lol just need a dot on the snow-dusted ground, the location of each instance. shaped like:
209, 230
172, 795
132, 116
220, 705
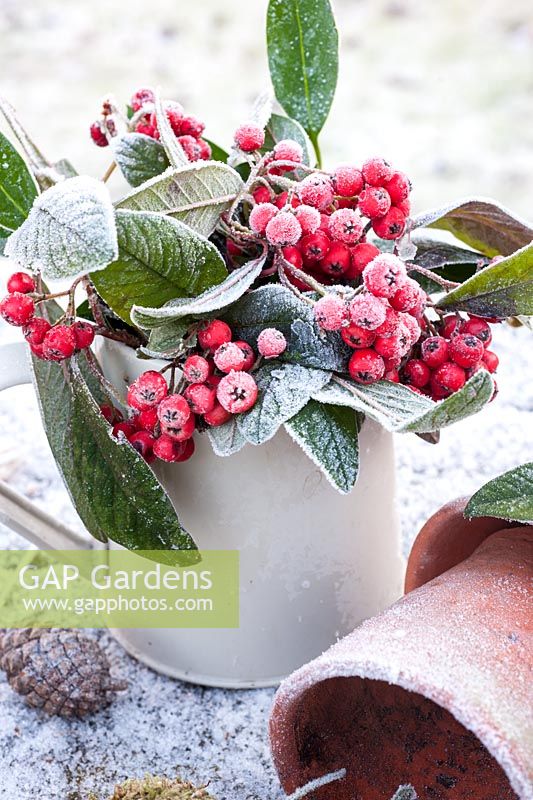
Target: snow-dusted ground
443, 89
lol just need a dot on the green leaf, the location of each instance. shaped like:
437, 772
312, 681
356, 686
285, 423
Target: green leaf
401, 410
217, 153
196, 194
139, 157
283, 390
226, 439
17, 190
503, 289
302, 43
279, 127
166, 341
69, 231
449, 261
328, 434
274, 306
113, 490
159, 259
510, 496
482, 224
220, 296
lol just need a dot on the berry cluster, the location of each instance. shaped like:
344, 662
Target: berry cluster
382, 322
217, 384
46, 341
187, 129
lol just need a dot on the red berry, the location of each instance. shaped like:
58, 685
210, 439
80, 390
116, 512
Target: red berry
374, 202
347, 180
416, 373
147, 420
404, 207
21, 282
229, 356
362, 254
337, 260
413, 328
434, 351
407, 297
168, 449
450, 325
309, 218
477, 327
490, 360
110, 413
398, 187
147, 129
261, 215
357, 337
249, 355
189, 126
367, 311
392, 321
218, 416
283, 229
180, 431
196, 369
147, 390
83, 333
173, 411
191, 147
314, 247
391, 226
249, 137
446, 379
392, 375
466, 350
213, 334
316, 190
262, 195
97, 135
59, 343
143, 442
346, 225
237, 392
377, 171
366, 366
294, 256
141, 98
124, 429
17, 309
201, 397
271, 343
288, 150
331, 312
35, 331
384, 275
388, 347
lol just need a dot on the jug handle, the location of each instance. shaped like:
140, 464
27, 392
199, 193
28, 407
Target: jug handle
16, 511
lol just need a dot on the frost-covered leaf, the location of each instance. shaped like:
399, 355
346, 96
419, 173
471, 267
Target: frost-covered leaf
279, 127
501, 290
449, 261
17, 190
482, 224
302, 43
400, 410
196, 194
329, 436
262, 109
283, 390
509, 496
226, 439
173, 149
70, 230
139, 157
166, 341
159, 259
274, 306
214, 299
405, 792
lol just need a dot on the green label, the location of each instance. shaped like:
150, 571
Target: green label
119, 589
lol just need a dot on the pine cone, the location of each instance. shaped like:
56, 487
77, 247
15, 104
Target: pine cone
153, 788
62, 672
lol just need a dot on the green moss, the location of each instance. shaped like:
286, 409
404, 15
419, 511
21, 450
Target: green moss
155, 788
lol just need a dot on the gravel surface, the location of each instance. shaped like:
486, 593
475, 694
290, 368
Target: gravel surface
445, 92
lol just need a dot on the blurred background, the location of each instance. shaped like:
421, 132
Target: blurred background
445, 91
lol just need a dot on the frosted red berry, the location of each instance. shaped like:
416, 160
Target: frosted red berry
490, 360
147, 390
21, 282
59, 343
391, 323
248, 353
213, 334
124, 429
205, 150
366, 366
412, 326
97, 135
362, 254
478, 327
35, 331
337, 260
391, 226
314, 247
262, 194
294, 256
407, 297
346, 225
173, 410
189, 126
377, 171
316, 190
191, 147
218, 416
249, 137
147, 419
374, 202
143, 442
384, 275
398, 187
83, 333
367, 311
237, 392
141, 98
17, 309
450, 325
196, 369
331, 312
465, 349
271, 343
180, 431
229, 356
110, 413
288, 150
357, 337
261, 215
434, 351
201, 397
168, 449
416, 373
283, 229
447, 379
308, 217
347, 180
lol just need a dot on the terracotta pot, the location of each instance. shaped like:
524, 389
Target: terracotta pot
436, 691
